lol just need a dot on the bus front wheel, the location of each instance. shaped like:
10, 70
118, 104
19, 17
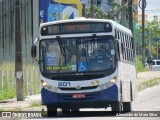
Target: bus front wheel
116, 107
127, 107
51, 111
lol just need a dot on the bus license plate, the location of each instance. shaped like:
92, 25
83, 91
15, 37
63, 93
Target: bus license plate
77, 96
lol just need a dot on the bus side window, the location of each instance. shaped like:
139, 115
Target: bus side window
127, 48
122, 46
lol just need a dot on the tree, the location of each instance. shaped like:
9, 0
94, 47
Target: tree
123, 13
98, 13
152, 31
115, 12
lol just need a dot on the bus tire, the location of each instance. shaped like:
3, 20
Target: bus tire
65, 110
127, 107
51, 111
116, 107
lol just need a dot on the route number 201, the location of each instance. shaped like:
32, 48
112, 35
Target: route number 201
64, 84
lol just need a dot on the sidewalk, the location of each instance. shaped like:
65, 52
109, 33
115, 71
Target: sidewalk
13, 104
145, 76
29, 104
147, 79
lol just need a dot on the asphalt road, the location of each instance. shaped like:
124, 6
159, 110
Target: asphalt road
145, 104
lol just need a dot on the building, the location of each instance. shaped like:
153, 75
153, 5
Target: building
33, 12
52, 10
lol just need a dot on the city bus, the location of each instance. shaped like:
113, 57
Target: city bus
85, 63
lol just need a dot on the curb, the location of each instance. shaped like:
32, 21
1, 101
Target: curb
147, 84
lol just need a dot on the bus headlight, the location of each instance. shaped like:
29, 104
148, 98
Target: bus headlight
113, 81
49, 87
44, 84
108, 84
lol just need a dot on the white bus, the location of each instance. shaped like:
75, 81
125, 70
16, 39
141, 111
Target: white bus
85, 63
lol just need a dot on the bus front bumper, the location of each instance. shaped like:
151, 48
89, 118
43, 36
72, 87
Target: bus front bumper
92, 99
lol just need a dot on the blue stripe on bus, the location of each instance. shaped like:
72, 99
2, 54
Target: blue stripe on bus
110, 94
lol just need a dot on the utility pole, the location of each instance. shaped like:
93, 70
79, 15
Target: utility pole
149, 41
143, 45
18, 55
130, 15
123, 15
83, 10
142, 5
157, 50
91, 10
157, 41
59, 11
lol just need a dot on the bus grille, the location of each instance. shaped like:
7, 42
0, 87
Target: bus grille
82, 88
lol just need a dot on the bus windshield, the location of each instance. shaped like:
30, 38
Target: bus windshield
80, 54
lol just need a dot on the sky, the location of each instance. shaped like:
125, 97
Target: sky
152, 9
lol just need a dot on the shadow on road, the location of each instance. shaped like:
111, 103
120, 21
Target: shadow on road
85, 114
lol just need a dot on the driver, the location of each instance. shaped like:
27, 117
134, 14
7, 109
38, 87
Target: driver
103, 50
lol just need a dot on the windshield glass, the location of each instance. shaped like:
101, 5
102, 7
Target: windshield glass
77, 54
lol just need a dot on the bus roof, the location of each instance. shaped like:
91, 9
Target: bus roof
79, 19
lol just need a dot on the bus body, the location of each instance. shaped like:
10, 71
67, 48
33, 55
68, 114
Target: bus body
79, 74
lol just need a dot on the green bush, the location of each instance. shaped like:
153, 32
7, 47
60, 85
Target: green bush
7, 93
139, 65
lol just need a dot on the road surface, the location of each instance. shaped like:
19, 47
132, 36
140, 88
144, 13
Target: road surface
147, 100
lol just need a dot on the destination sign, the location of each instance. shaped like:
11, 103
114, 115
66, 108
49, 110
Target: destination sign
76, 27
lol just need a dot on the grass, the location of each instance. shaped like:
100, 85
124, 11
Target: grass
18, 109
7, 92
147, 84
1, 109
139, 66
7, 95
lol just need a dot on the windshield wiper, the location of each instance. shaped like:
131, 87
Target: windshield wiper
63, 51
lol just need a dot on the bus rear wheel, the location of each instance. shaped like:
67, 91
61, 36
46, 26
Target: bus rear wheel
51, 111
127, 107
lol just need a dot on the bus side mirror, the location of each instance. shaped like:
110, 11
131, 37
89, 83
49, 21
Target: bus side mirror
117, 49
33, 51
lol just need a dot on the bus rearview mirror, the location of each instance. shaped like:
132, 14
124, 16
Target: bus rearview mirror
33, 51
